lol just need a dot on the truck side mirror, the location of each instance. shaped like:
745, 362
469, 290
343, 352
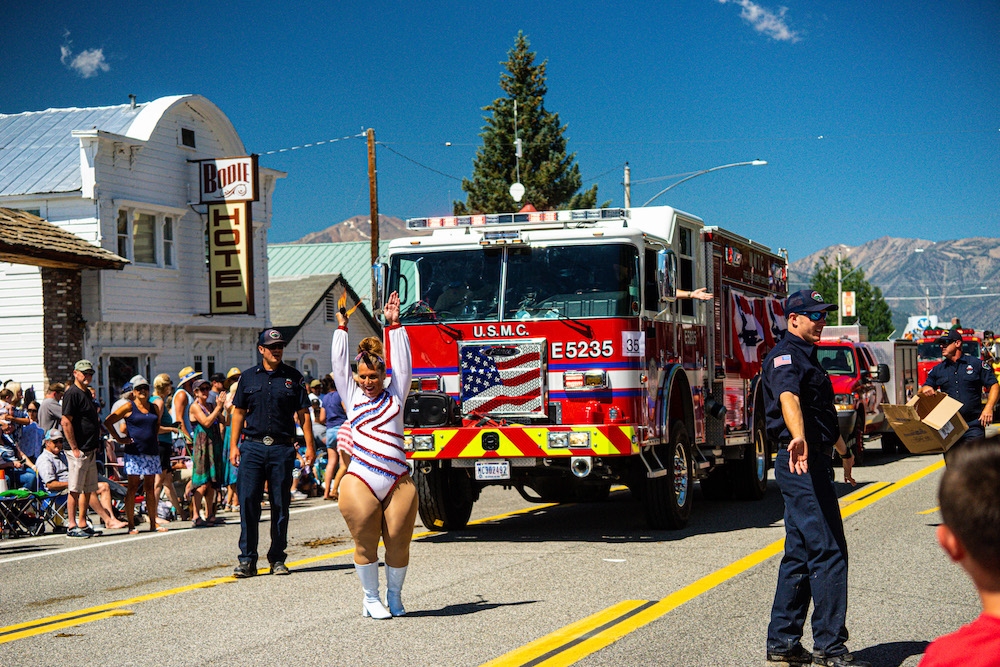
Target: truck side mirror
666, 275
378, 273
883, 373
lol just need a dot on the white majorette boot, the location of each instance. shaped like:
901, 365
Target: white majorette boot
394, 587
371, 605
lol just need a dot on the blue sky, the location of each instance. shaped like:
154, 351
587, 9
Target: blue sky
875, 118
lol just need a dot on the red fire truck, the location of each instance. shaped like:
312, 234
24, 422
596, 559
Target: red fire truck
552, 355
929, 352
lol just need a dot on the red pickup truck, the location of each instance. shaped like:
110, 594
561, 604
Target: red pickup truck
857, 379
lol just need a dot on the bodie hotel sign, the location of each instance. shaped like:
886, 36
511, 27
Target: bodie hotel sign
228, 186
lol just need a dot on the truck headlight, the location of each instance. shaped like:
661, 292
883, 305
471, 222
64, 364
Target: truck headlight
423, 443
559, 440
579, 440
843, 402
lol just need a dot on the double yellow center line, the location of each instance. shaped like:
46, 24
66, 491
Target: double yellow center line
574, 642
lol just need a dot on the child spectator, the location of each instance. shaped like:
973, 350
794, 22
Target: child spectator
969, 497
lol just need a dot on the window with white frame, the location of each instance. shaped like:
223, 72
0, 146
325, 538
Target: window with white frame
147, 237
168, 241
144, 238
123, 234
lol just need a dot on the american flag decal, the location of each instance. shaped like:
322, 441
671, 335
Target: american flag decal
502, 377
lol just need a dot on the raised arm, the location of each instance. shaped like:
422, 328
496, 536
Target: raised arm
341, 362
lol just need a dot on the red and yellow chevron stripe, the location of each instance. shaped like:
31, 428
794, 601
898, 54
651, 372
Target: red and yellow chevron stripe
524, 441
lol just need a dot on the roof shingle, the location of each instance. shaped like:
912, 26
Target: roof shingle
28, 239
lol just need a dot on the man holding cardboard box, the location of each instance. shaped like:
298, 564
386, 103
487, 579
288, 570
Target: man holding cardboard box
800, 417
963, 377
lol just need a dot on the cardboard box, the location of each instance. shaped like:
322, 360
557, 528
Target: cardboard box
927, 424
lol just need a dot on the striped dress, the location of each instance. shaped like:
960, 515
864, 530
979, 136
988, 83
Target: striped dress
376, 424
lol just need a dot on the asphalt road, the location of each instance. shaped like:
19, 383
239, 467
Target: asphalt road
526, 584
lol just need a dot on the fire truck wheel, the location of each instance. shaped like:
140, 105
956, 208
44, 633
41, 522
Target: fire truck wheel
751, 472
668, 498
445, 498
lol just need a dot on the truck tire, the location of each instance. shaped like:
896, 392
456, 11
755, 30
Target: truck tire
668, 498
751, 472
445, 498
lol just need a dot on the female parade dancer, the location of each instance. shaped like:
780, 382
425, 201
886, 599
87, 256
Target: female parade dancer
377, 496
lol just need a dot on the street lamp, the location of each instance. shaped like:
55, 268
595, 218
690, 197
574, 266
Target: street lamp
751, 163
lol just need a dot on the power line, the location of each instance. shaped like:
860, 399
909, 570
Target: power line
312, 145
393, 150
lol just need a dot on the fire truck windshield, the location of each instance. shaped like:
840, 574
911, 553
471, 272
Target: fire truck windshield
929, 352
571, 281
448, 285
541, 282
932, 351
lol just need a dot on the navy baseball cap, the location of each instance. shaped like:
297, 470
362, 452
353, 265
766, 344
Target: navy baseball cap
951, 337
807, 301
270, 337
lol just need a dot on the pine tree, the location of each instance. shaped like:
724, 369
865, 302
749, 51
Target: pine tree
550, 176
872, 310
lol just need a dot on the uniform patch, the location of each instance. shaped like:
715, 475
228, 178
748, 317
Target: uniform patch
288, 384
969, 370
783, 360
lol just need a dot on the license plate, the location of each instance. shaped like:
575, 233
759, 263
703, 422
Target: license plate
491, 470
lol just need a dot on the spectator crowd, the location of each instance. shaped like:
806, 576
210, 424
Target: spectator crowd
160, 454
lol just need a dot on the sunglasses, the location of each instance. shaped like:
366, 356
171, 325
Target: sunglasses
277, 346
32, 410
141, 387
814, 317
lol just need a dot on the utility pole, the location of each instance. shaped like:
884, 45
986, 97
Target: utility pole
373, 199
628, 186
840, 292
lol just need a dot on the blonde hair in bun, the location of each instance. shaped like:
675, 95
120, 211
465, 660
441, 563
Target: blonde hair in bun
371, 353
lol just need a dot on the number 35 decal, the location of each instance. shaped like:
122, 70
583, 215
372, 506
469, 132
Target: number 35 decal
582, 349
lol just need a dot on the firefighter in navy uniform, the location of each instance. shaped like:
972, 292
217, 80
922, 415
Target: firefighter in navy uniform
963, 377
262, 444
801, 417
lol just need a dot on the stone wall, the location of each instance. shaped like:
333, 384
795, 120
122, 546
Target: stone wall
62, 323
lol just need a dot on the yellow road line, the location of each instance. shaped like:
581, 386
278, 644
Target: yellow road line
80, 616
930, 511
606, 627
52, 627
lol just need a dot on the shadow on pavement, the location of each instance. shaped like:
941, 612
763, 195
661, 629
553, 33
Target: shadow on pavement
891, 654
621, 519
328, 567
466, 608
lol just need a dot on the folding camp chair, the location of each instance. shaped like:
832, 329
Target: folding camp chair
52, 509
19, 514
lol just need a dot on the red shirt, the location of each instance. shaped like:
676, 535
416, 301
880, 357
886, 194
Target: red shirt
973, 645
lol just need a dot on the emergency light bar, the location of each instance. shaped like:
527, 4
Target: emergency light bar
533, 217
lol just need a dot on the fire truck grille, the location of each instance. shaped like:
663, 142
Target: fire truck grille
503, 377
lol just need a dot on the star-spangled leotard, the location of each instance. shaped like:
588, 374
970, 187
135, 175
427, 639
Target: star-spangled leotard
376, 423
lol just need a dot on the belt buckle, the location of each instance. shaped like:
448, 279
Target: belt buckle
267, 440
